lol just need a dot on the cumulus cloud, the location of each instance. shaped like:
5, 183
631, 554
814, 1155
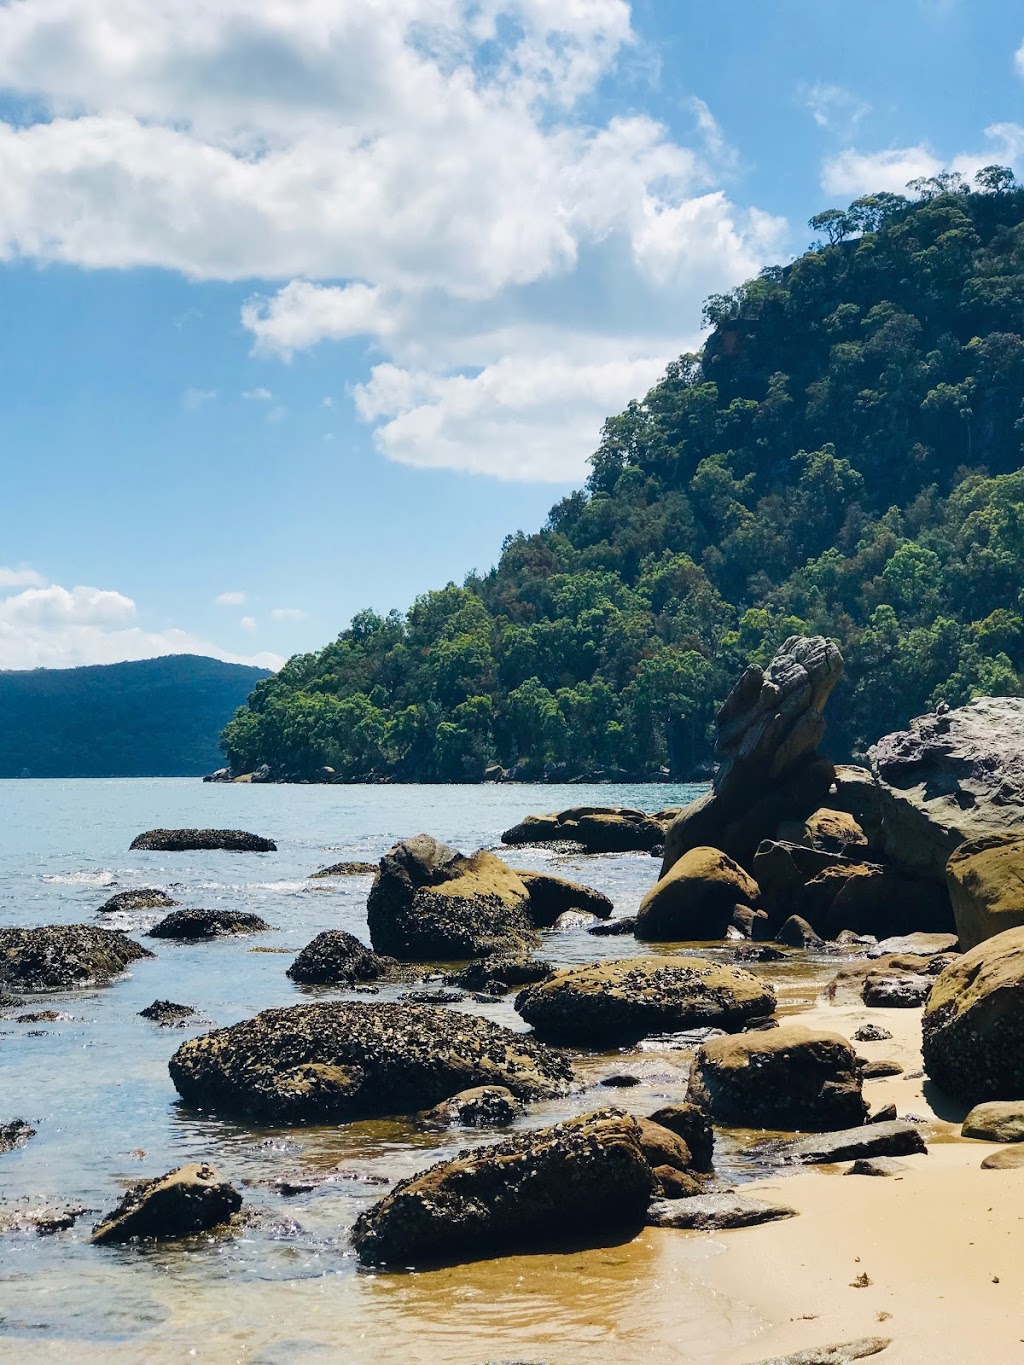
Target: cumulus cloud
288, 614
50, 626
853, 172
20, 578
229, 599
303, 313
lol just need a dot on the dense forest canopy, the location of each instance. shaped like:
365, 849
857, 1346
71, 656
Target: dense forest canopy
842, 457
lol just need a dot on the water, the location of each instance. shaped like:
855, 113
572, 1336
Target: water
287, 1288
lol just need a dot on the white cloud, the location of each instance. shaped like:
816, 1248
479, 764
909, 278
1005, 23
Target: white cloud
20, 578
248, 623
229, 599
258, 395
194, 399
288, 614
1018, 59
302, 313
852, 173
51, 626
834, 108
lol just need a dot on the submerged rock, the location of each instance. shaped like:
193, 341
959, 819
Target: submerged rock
15, 1133
615, 1003
189, 925
696, 898
184, 1201
791, 1077
503, 972
187, 840
346, 1060
345, 870
582, 1178
430, 903
335, 957
551, 897
58, 957
486, 1106
42, 1219
166, 1012
625, 924
986, 885
146, 898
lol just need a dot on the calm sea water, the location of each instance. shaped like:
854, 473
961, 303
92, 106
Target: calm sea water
97, 1089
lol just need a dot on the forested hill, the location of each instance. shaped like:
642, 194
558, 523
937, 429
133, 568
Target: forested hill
842, 457
154, 718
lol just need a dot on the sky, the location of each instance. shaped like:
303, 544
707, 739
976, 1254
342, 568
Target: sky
308, 304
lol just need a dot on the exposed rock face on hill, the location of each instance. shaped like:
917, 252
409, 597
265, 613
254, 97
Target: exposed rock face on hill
951, 777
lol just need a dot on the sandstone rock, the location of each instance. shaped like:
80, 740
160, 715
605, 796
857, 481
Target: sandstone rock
1010, 1159
951, 778
898, 1137
145, 898
187, 840
15, 1133
503, 972
840, 1353
615, 1003
750, 923
973, 1023
166, 1012
625, 924
885, 903
536, 829
696, 898
189, 1200
551, 897
584, 1177
997, 1121
883, 1166
429, 903
986, 886
783, 868
690, 1123
888, 990
662, 1147
485, 1106
879, 1069
675, 1184
797, 933
622, 832
345, 870
58, 957
847, 986
790, 1077
334, 1062
833, 831
335, 957
872, 1033
716, 1212
189, 925
922, 945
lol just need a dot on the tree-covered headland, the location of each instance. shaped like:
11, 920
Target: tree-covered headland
842, 457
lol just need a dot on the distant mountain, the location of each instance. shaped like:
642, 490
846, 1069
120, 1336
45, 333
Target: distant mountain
150, 718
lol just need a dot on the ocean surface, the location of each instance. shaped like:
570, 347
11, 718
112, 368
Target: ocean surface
286, 1287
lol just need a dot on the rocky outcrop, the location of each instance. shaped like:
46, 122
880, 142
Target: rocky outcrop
595, 829
187, 840
997, 1121
345, 870
63, 957
551, 897
485, 1106
336, 958
585, 1177
986, 886
190, 925
15, 1133
334, 1062
788, 1078
973, 1024
430, 903
696, 898
951, 777
167, 1013
145, 898
612, 1004
188, 1200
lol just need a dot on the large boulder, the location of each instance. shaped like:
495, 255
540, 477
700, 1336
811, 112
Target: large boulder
787, 1078
552, 896
997, 1121
973, 1024
695, 899
187, 840
190, 925
951, 777
612, 1004
188, 1200
587, 1176
336, 958
63, 957
986, 885
334, 1062
431, 903
769, 728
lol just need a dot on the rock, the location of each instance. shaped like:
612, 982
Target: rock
662, 1147
626, 924
585, 1176
847, 986
620, 1080
573, 919
696, 898
985, 878
783, 868
335, 957
690, 1123
536, 829
345, 870
42, 1219
898, 1137
877, 1165
872, 1033
186, 926
433, 995
15, 1133
615, 1003
887, 1114
1010, 1159
676, 1184
997, 1121
166, 1012
621, 832
951, 778
146, 898
791, 1077
716, 1213
797, 933
833, 831
58, 957
187, 840
750, 923
922, 945
882, 902
430, 903
44, 1017
485, 1106
188, 1200
503, 972
841, 1353
338, 1061
758, 952
887, 990
551, 897
877, 1070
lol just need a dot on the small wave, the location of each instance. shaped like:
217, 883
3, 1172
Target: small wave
100, 877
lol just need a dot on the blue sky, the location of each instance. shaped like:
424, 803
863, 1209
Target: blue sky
307, 306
